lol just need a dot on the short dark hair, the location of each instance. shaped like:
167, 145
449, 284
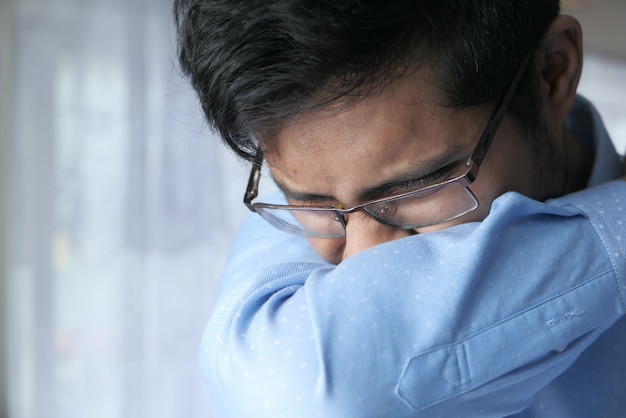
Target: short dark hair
256, 63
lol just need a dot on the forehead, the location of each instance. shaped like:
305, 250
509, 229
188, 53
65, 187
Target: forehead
341, 151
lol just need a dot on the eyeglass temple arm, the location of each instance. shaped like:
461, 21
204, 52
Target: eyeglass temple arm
252, 190
494, 122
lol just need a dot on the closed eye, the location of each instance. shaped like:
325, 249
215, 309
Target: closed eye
396, 188
310, 200
313, 203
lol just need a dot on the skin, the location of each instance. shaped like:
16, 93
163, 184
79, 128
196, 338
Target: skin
346, 156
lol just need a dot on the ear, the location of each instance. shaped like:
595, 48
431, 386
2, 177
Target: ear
561, 59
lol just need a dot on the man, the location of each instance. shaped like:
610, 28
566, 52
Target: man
433, 252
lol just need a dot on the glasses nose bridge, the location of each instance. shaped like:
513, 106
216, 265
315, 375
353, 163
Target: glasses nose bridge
343, 213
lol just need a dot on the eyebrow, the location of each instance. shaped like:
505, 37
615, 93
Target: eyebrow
437, 166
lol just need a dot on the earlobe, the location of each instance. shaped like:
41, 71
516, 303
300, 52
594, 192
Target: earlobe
561, 55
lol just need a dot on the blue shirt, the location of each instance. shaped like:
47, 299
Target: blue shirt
517, 314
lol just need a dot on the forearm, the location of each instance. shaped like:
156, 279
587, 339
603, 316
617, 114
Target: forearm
399, 327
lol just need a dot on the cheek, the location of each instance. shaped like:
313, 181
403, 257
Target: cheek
330, 249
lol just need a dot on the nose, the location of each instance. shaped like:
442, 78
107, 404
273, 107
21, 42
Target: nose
363, 232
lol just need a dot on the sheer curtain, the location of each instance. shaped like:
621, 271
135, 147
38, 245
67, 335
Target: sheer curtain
5, 133
121, 210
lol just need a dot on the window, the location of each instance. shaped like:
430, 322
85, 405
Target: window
115, 238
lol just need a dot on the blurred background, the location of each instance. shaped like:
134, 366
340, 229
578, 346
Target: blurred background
117, 205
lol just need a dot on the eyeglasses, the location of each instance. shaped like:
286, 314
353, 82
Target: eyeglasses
426, 206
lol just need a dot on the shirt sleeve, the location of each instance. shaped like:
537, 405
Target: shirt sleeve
470, 321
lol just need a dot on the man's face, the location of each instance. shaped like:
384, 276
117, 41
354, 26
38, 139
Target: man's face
343, 157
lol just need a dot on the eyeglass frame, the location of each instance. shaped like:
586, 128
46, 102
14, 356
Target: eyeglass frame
464, 180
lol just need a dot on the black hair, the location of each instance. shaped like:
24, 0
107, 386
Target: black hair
256, 63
